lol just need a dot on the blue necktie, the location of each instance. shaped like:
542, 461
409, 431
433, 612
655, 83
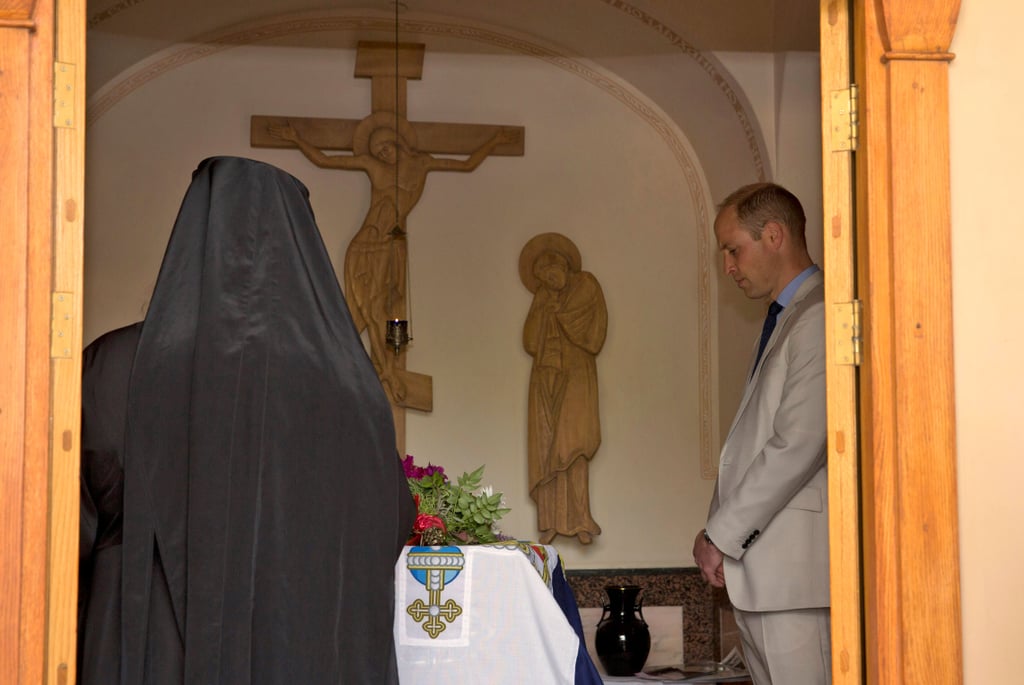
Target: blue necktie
766, 331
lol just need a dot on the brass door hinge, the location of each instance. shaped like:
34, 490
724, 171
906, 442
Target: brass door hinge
62, 313
846, 321
844, 119
63, 95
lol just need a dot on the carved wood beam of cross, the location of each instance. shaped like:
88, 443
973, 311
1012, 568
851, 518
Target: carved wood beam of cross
389, 67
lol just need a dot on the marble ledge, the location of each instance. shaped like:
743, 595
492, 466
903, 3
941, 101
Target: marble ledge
708, 630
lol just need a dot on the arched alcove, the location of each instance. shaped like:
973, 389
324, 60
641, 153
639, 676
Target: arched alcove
604, 164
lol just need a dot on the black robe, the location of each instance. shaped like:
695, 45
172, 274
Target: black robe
243, 505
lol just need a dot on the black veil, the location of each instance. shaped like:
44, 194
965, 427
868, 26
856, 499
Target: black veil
264, 504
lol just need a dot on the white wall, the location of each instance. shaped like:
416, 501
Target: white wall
604, 179
987, 143
620, 180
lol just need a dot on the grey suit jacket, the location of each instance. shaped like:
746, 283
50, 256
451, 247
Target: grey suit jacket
769, 514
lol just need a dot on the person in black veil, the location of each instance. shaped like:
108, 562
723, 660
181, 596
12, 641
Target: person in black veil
246, 433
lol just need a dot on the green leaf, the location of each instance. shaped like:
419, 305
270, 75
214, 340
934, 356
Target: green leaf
471, 481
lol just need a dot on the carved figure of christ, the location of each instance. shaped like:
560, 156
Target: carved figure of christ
396, 156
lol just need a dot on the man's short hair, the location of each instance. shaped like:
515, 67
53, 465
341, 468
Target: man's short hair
758, 203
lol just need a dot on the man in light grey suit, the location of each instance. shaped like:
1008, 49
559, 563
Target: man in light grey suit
766, 538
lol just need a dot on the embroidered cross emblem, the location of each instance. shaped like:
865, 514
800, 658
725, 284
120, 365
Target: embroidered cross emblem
434, 567
434, 626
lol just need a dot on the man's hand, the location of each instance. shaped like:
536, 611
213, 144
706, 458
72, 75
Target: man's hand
709, 560
283, 132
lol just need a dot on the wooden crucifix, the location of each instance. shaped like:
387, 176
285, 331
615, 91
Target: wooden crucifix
396, 155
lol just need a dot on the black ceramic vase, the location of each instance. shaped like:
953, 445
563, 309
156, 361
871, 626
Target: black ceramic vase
623, 639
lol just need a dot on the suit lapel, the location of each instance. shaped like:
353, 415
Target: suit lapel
806, 287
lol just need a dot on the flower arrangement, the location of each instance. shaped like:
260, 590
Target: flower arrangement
460, 513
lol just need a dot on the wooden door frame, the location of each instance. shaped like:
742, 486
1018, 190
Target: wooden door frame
907, 565
42, 83
26, 198
67, 305
910, 527
839, 262
894, 526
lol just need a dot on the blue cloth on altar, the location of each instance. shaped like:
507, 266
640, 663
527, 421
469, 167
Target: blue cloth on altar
586, 672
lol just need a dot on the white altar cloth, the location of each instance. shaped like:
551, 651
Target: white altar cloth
481, 614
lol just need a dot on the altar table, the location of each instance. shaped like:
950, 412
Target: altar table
497, 614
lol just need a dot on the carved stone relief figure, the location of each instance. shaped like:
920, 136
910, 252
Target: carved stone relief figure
564, 331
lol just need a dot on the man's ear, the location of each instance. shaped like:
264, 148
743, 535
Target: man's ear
774, 233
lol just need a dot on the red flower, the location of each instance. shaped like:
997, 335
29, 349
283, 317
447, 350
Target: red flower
425, 522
